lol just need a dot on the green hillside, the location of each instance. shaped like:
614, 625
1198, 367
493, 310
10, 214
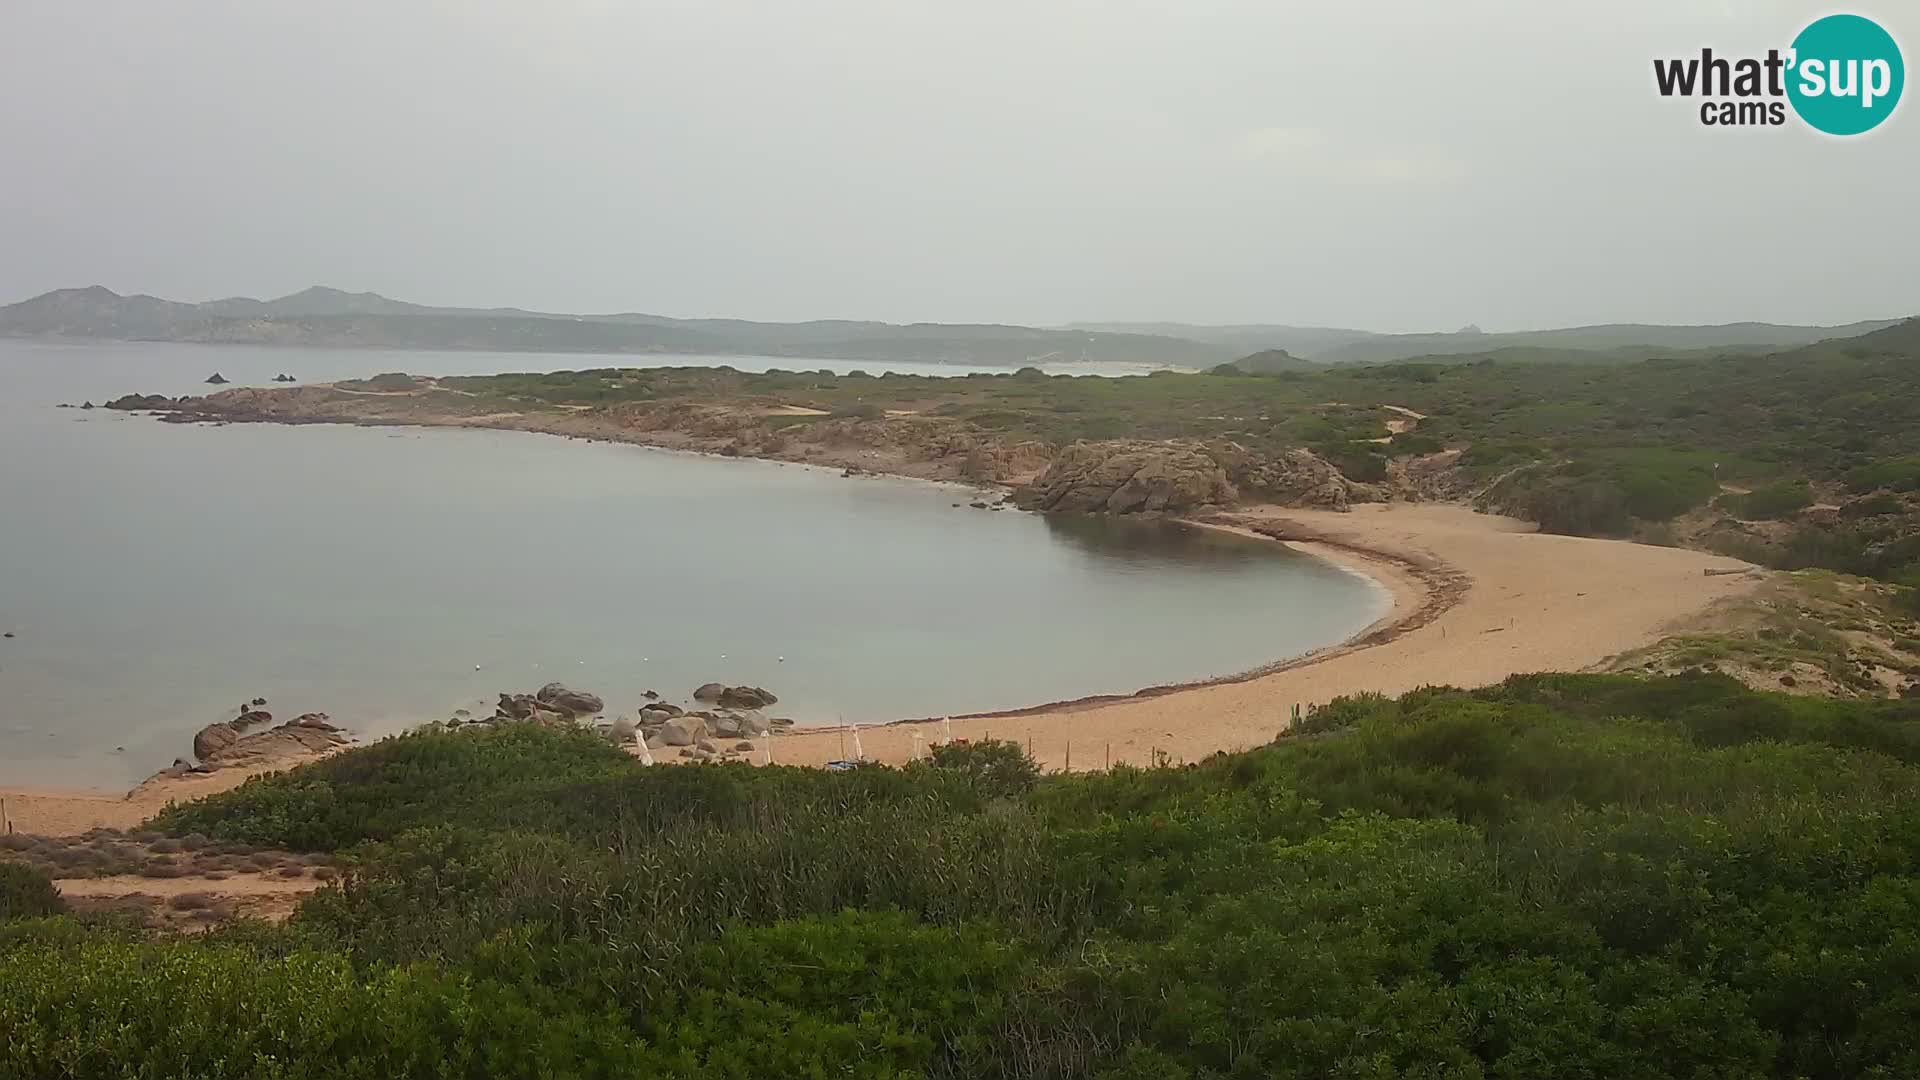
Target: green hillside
1567, 876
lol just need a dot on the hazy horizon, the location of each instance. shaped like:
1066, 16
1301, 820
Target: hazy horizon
1210, 163
1145, 323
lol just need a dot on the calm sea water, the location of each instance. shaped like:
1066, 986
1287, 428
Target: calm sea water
155, 575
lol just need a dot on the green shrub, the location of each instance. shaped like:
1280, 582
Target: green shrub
106, 1008
994, 767
1658, 490
1893, 474
1414, 443
1579, 875
1770, 502
508, 775
26, 893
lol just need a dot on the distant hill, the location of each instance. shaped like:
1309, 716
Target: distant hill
331, 317
1270, 361
318, 300
1306, 341
1624, 341
1600, 339
93, 312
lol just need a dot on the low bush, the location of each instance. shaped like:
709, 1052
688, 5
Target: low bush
109, 1008
1564, 875
26, 893
1770, 502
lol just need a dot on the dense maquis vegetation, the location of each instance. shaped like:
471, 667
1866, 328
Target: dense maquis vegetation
1582, 448
1566, 876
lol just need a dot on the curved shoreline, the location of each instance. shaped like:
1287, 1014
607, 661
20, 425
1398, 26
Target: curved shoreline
1417, 552
1417, 594
1499, 599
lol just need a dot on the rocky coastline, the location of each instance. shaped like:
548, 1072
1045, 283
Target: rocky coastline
1109, 476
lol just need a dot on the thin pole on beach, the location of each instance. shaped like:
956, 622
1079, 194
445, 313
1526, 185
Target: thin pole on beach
1107, 763
1069, 755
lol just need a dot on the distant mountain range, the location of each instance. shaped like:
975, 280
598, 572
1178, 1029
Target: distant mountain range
330, 317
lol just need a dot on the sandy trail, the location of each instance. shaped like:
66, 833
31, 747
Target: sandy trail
254, 896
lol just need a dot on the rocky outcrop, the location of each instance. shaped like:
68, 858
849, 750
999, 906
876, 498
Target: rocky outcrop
225, 744
217, 379
529, 708
214, 738
680, 731
141, 401
728, 724
1297, 477
1127, 476
709, 692
572, 702
746, 697
1130, 477
516, 706
659, 712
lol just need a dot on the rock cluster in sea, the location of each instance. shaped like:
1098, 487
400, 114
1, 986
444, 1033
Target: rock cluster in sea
554, 703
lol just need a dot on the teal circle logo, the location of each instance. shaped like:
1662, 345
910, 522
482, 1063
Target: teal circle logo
1846, 75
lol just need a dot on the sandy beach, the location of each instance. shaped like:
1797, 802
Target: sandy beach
1476, 598
56, 812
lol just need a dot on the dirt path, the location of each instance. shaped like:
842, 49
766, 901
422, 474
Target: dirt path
193, 902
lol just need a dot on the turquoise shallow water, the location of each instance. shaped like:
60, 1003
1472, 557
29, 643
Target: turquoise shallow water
155, 575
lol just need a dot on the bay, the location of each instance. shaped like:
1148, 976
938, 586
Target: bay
156, 575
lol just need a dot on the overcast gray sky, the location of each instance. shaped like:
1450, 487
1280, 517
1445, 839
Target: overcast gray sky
1385, 164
